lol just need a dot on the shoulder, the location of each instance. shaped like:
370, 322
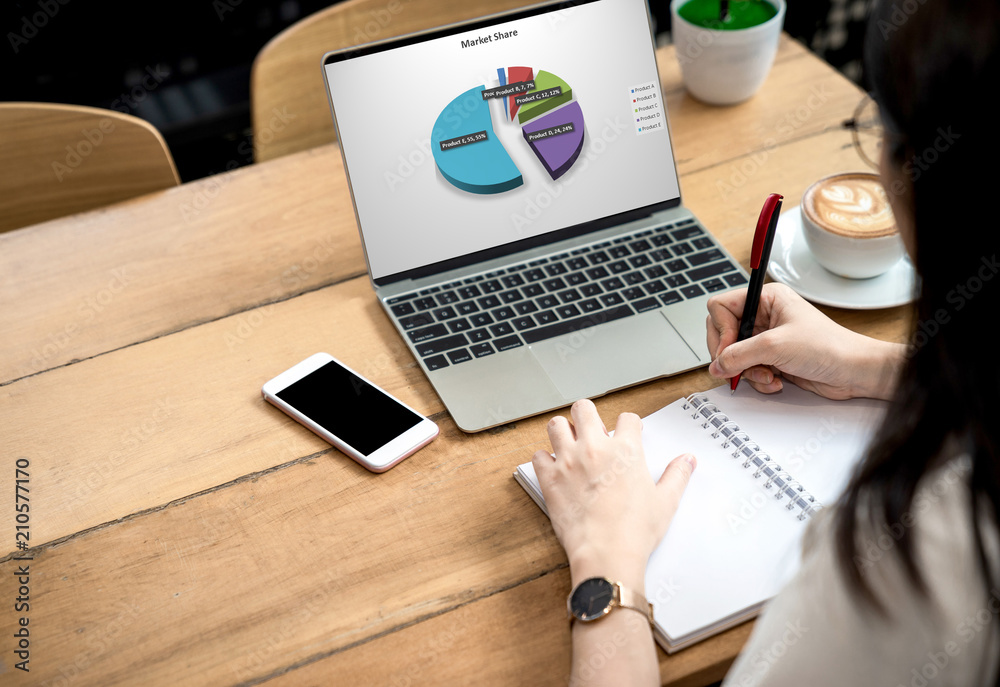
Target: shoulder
818, 630
939, 520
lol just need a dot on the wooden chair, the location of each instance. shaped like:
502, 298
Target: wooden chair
56, 160
288, 101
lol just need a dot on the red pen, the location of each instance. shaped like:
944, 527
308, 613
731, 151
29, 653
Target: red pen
762, 239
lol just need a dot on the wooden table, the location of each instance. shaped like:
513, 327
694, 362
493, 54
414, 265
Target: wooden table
182, 532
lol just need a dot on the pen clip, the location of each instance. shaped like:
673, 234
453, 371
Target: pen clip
766, 224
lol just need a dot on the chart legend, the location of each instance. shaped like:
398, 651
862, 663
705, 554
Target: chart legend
647, 112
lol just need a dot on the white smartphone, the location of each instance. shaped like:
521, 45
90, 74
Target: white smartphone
350, 412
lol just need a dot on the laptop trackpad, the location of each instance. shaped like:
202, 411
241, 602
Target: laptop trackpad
600, 359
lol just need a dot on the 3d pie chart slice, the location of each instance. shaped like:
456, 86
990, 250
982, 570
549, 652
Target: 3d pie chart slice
561, 147
468, 152
516, 74
544, 81
469, 160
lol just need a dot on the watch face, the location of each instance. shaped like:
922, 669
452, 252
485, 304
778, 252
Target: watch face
592, 598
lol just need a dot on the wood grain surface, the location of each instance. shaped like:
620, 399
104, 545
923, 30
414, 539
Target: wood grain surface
183, 532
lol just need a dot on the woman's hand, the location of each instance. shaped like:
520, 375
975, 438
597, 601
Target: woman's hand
805, 346
607, 511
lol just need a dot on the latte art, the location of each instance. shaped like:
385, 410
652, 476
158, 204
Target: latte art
852, 205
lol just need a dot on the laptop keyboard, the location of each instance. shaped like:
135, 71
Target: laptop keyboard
526, 303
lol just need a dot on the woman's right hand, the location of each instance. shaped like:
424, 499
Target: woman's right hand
793, 338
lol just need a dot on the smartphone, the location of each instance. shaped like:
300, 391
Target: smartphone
350, 412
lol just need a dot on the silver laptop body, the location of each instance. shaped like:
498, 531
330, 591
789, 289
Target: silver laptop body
516, 193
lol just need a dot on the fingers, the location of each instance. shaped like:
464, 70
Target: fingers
542, 456
586, 425
730, 301
542, 461
629, 429
724, 311
675, 478
712, 336
763, 380
743, 355
773, 387
760, 375
561, 434
587, 422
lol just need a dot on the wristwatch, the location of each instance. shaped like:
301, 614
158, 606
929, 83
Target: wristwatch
595, 597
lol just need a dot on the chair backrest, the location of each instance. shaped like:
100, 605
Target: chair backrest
56, 160
288, 101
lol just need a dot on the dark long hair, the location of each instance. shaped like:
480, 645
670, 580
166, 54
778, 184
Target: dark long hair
932, 65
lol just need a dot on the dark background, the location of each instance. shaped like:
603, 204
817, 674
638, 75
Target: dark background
198, 54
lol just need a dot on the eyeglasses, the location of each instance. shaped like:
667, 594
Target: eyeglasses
866, 131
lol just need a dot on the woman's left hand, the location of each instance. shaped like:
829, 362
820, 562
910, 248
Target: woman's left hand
607, 511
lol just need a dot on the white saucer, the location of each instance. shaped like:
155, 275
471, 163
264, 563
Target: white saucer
792, 264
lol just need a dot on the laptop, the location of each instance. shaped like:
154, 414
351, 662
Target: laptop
517, 196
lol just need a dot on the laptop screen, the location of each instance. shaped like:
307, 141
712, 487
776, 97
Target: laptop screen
485, 138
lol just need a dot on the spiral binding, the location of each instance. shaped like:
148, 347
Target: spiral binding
754, 457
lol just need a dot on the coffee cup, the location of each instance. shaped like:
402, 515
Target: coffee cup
724, 63
849, 227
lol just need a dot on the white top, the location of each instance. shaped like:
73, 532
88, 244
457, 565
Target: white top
817, 632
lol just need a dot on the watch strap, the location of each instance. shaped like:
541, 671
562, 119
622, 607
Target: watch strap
633, 600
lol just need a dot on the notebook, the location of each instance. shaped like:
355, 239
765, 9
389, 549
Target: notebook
519, 206
766, 465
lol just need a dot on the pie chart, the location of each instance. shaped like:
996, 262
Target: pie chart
468, 152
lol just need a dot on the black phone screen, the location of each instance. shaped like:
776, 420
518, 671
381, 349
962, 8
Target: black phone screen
349, 408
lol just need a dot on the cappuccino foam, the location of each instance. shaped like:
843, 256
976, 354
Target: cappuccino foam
853, 205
